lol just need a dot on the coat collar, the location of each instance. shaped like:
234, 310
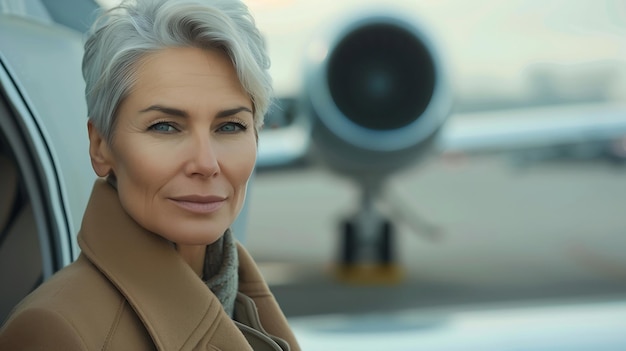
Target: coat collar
174, 304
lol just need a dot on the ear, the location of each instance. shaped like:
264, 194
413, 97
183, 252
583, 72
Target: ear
99, 151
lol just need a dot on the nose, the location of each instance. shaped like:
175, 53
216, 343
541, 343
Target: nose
202, 158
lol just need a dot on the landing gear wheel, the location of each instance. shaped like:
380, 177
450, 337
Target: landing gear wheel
385, 249
348, 244
377, 269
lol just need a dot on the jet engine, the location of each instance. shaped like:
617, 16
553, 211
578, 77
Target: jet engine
376, 94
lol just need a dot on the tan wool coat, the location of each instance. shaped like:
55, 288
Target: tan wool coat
130, 290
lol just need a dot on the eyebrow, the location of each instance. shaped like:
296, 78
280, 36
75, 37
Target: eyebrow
180, 113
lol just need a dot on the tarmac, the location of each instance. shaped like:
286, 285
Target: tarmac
470, 230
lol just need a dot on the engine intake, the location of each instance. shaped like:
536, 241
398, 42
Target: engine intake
377, 94
381, 77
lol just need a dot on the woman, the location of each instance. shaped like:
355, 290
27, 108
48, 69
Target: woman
176, 92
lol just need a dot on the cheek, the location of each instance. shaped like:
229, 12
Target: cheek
144, 162
238, 162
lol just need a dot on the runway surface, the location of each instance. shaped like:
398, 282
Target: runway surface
549, 232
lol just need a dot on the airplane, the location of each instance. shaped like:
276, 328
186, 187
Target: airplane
376, 97
46, 176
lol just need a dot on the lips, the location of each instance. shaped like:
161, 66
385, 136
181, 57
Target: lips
200, 204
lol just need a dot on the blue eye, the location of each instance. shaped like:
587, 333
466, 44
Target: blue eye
163, 127
231, 127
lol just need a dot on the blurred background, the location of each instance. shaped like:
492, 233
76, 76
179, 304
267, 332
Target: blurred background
515, 228
513, 225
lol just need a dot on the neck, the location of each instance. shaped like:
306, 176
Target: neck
194, 256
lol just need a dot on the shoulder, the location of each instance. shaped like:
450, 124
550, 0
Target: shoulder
76, 306
40, 329
72, 290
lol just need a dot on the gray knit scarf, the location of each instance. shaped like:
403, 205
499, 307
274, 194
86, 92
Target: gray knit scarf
220, 270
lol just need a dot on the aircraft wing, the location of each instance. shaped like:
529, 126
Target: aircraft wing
522, 129
532, 128
283, 146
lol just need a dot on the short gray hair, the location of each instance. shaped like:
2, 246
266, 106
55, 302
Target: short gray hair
121, 36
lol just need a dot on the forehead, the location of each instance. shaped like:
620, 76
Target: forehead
179, 67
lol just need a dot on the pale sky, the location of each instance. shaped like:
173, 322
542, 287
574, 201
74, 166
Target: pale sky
490, 46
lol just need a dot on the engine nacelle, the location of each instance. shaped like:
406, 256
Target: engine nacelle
377, 93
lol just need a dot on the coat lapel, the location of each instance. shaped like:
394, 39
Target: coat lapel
252, 284
176, 307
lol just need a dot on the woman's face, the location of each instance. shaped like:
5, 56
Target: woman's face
183, 147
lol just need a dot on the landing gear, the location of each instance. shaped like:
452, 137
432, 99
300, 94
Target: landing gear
367, 248
354, 249
348, 245
386, 244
